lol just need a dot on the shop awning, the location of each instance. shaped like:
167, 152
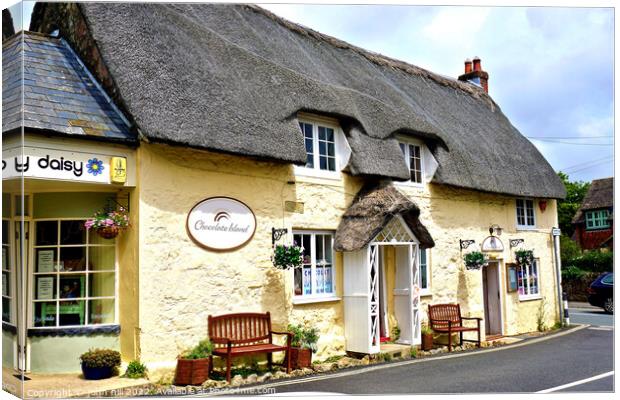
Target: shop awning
372, 209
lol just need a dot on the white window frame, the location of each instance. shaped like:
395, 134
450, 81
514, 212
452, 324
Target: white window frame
315, 297
316, 171
413, 142
32, 281
526, 226
530, 296
594, 217
12, 270
427, 290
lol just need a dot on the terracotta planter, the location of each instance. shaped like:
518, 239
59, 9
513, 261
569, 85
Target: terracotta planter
108, 232
301, 358
191, 372
427, 341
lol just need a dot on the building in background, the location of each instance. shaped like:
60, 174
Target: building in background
594, 220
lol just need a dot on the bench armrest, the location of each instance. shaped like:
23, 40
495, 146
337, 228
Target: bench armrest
289, 336
472, 318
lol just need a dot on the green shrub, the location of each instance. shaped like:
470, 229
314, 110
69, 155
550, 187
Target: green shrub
569, 249
203, 349
332, 359
395, 333
304, 338
594, 261
413, 352
135, 370
571, 273
95, 358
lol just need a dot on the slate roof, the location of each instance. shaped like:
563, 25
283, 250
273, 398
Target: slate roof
59, 94
600, 195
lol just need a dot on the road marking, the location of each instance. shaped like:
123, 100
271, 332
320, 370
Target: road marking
601, 328
577, 383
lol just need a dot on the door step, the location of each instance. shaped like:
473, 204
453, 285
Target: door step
395, 350
489, 338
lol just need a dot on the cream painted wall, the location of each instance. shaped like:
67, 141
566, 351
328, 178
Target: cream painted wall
180, 284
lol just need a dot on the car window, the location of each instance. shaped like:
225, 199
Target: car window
608, 279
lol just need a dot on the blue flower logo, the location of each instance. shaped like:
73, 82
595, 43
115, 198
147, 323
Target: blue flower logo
95, 166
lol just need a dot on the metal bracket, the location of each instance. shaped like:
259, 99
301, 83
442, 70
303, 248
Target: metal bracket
516, 242
466, 243
112, 203
276, 234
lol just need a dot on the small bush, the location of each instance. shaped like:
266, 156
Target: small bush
569, 249
572, 273
203, 349
332, 359
594, 261
135, 370
540, 317
413, 352
395, 333
96, 358
304, 338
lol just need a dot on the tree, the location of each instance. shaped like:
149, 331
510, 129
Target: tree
575, 193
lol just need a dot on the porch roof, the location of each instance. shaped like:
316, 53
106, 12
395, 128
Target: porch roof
372, 209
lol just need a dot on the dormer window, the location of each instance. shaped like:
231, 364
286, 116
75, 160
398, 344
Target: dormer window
413, 158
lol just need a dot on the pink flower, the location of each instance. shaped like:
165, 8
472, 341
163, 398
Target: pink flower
89, 224
108, 222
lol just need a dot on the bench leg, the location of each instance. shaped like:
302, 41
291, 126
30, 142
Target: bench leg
461, 336
449, 340
210, 367
228, 365
288, 361
269, 360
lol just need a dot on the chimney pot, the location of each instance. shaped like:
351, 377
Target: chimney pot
477, 66
467, 66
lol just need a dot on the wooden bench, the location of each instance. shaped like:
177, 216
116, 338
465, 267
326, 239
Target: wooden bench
446, 318
237, 335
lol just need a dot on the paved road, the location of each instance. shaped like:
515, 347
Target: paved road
535, 367
591, 316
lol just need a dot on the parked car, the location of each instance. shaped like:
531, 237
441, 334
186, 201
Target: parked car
601, 292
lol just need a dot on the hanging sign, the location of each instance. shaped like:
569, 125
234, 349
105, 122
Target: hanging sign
37, 162
221, 223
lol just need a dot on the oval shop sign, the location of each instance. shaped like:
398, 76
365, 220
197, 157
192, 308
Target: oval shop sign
221, 223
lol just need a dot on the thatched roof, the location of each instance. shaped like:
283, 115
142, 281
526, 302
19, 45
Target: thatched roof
600, 195
232, 78
8, 29
373, 208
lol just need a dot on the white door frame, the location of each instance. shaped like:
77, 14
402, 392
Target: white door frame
500, 307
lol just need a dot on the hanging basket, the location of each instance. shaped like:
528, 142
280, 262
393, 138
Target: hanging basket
475, 260
108, 232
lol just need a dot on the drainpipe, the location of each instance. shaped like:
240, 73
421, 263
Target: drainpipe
558, 265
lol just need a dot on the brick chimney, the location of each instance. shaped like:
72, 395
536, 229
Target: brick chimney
475, 75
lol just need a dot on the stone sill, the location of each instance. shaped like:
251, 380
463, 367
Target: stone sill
537, 297
315, 300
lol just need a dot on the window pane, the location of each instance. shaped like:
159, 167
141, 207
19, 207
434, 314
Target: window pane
101, 258
72, 232
45, 287
331, 164
72, 312
46, 260
319, 255
328, 248
101, 311
329, 285
47, 233
310, 160
18, 205
322, 135
323, 163
307, 280
320, 280
5, 232
101, 284
6, 284
423, 270
402, 148
72, 259
297, 282
45, 313
331, 150
6, 309
322, 148
307, 248
534, 278
72, 286
6, 258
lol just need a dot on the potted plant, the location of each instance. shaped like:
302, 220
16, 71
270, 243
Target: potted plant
285, 256
108, 224
193, 364
427, 337
100, 363
303, 344
475, 260
524, 257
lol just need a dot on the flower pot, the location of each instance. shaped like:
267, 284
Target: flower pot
301, 358
108, 232
94, 373
427, 341
191, 372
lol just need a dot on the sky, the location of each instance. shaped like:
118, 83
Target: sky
550, 68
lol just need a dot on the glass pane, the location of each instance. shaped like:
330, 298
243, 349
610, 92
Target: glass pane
72, 259
323, 163
307, 248
297, 282
328, 248
72, 312
45, 287
310, 161
5, 232
322, 150
72, 232
320, 280
6, 284
331, 150
309, 148
329, 133
18, 205
47, 233
101, 284
331, 164
101, 311
320, 254
307, 280
45, 313
72, 286
329, 288
6, 309
6, 259
322, 134
101, 258
46, 260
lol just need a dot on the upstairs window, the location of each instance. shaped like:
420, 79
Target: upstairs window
320, 144
413, 158
525, 214
598, 219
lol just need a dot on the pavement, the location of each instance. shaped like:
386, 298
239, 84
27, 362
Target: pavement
569, 361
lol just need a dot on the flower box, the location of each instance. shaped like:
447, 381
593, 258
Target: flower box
191, 372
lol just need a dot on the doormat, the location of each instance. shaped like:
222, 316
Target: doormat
21, 377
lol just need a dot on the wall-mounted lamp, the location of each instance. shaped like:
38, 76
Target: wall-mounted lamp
276, 234
495, 229
516, 242
466, 243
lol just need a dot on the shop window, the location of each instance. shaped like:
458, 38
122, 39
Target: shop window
528, 281
424, 272
316, 276
525, 214
74, 278
598, 219
7, 274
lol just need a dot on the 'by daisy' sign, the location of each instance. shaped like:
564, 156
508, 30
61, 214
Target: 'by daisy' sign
35, 162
